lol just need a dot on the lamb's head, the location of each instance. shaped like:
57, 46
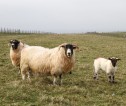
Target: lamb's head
14, 44
69, 49
114, 60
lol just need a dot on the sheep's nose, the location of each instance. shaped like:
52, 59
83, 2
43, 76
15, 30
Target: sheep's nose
69, 54
13, 46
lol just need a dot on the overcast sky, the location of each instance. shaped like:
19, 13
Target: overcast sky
64, 16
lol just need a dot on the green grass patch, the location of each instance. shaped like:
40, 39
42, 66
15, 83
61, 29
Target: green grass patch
79, 88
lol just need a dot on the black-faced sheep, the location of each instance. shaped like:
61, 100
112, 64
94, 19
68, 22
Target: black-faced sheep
108, 65
55, 61
15, 52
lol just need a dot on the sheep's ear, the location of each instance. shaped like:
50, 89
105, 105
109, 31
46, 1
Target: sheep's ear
75, 47
9, 44
118, 59
10, 41
63, 45
110, 58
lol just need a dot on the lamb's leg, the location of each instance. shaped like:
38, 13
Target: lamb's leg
96, 74
109, 77
112, 78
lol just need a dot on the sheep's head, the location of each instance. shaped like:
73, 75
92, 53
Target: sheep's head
14, 44
114, 60
69, 49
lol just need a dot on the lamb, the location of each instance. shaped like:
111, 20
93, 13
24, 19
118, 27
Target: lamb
15, 52
55, 62
108, 65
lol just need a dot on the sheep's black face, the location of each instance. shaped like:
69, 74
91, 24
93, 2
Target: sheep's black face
114, 60
14, 44
69, 50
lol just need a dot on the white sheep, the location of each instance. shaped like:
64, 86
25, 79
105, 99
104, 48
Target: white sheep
108, 65
15, 52
55, 61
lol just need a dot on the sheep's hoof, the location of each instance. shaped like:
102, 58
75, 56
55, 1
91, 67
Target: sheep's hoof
60, 84
50, 85
55, 85
70, 72
95, 78
114, 82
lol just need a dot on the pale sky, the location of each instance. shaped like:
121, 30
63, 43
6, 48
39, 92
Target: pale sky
64, 16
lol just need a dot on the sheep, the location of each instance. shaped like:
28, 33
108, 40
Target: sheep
54, 62
108, 65
15, 52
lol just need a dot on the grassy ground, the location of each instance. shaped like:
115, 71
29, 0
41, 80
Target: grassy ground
79, 88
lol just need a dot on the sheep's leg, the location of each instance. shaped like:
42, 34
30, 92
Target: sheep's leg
96, 73
96, 76
60, 77
19, 72
112, 78
70, 72
23, 75
109, 77
29, 75
55, 80
24, 71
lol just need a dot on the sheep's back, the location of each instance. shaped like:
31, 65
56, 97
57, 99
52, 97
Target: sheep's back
100, 63
35, 58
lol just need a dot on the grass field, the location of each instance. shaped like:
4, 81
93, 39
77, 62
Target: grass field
79, 88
